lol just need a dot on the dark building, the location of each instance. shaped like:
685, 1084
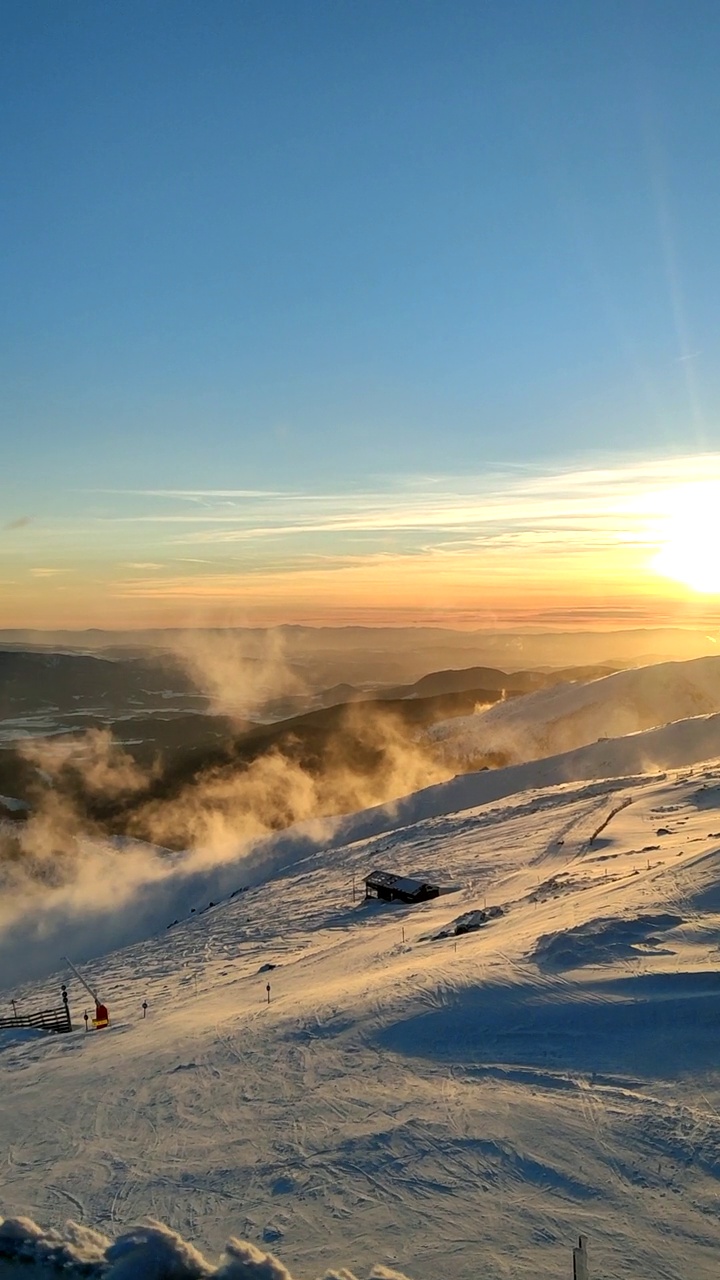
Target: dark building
390, 888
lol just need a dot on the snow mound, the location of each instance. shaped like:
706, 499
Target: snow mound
469, 922
602, 941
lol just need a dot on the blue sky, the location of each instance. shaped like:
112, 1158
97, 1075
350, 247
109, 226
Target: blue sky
329, 248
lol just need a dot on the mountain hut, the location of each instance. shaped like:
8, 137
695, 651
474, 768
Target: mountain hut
390, 888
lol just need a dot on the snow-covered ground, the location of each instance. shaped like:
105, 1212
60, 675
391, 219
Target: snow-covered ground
452, 1108
564, 717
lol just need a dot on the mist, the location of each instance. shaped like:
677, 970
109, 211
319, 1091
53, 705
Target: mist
149, 1252
237, 678
103, 859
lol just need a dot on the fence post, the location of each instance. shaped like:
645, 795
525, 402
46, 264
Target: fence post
580, 1260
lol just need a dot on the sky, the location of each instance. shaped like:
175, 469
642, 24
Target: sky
324, 311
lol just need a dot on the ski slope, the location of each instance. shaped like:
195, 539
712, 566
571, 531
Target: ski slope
128, 890
454, 1107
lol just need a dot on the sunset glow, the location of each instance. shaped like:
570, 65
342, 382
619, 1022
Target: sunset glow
607, 546
367, 313
690, 550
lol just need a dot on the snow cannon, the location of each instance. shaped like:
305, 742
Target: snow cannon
102, 1018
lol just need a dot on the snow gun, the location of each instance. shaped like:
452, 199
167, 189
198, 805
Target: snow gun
102, 1017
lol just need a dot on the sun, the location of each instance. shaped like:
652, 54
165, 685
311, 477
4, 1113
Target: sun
689, 549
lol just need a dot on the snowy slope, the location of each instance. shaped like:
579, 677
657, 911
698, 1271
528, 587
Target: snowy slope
127, 891
454, 1108
566, 716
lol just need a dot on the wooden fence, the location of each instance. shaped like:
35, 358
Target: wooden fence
56, 1020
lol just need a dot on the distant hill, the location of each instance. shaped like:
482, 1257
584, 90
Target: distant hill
72, 682
439, 682
393, 655
334, 759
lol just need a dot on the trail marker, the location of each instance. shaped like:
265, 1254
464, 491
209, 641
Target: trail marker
268, 991
144, 1007
580, 1260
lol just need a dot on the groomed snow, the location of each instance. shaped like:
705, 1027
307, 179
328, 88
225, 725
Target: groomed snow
452, 1108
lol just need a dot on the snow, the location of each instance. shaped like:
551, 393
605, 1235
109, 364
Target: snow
563, 717
449, 1107
13, 805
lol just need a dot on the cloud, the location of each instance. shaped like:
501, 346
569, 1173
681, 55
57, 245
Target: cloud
64, 882
41, 572
150, 1252
20, 523
237, 682
540, 536
194, 495
618, 502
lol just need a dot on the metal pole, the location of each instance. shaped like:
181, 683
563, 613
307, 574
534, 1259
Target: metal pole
81, 980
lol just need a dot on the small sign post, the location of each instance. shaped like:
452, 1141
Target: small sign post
580, 1260
268, 992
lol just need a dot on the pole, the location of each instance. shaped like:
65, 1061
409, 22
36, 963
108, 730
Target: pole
66, 1006
580, 1260
82, 981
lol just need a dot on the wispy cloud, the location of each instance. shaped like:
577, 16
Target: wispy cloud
617, 503
20, 523
192, 495
520, 542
